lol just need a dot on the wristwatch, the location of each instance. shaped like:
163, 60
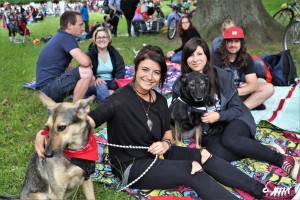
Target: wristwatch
168, 142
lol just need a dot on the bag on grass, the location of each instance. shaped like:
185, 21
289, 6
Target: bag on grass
46, 38
262, 72
282, 67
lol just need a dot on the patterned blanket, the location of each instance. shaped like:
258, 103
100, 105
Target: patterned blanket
261, 171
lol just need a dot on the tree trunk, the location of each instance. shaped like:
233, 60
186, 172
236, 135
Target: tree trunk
259, 27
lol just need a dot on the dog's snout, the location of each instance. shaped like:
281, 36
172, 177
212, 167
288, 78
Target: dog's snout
199, 99
49, 153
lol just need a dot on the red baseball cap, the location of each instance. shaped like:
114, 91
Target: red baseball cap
233, 32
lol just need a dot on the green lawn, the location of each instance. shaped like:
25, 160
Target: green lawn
22, 114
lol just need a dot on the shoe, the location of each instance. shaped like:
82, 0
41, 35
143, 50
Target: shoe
273, 192
275, 147
260, 107
291, 167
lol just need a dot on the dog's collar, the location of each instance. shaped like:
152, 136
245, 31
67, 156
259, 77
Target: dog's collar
89, 152
198, 108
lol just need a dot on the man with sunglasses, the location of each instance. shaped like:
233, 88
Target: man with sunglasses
55, 75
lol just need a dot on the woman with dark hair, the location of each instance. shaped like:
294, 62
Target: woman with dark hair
235, 140
138, 116
186, 31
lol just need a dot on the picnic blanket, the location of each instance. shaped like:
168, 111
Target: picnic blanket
261, 171
172, 74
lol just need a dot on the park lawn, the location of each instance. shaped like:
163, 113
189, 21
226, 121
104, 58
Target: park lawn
22, 114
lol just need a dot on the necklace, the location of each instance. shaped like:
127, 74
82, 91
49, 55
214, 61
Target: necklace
149, 122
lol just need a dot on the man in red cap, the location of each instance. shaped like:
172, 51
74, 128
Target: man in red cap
233, 55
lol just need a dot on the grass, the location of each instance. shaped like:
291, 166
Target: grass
22, 114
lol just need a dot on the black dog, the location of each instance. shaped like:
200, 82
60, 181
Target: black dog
187, 109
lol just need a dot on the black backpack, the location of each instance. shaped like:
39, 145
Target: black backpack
105, 7
282, 68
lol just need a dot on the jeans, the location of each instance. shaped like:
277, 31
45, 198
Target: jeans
176, 58
62, 86
102, 91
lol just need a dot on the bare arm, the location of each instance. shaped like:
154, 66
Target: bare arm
251, 86
82, 59
92, 122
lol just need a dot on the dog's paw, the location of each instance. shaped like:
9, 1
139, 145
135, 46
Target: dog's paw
179, 144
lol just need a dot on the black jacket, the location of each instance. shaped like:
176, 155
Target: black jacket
187, 35
116, 59
231, 105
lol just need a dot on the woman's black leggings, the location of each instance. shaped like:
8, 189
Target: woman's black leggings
175, 170
236, 142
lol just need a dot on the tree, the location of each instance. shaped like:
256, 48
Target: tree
259, 27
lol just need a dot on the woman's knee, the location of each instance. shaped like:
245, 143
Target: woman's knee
196, 167
205, 155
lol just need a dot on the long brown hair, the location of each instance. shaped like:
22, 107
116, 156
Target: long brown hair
180, 30
188, 49
241, 58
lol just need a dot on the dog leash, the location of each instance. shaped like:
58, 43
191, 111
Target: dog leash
132, 147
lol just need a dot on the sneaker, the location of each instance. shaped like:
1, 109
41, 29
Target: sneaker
291, 167
260, 107
275, 147
273, 192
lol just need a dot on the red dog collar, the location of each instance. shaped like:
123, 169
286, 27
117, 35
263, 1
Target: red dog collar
89, 152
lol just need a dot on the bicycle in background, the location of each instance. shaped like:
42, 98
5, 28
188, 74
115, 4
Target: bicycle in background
291, 39
288, 12
178, 10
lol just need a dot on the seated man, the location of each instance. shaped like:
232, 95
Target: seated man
258, 63
55, 76
232, 55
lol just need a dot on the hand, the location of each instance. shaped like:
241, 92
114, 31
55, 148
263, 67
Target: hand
158, 148
99, 81
210, 117
40, 143
110, 92
170, 54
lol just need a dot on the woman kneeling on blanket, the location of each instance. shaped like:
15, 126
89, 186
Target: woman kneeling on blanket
146, 116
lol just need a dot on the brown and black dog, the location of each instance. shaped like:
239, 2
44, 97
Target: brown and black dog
187, 109
57, 175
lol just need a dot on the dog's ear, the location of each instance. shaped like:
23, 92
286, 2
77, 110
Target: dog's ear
47, 101
183, 79
83, 106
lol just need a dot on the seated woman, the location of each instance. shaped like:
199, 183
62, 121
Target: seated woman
107, 62
146, 114
235, 139
186, 31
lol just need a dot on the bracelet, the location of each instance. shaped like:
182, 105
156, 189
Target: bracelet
168, 142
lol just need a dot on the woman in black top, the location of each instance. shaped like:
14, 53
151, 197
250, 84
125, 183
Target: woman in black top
186, 31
